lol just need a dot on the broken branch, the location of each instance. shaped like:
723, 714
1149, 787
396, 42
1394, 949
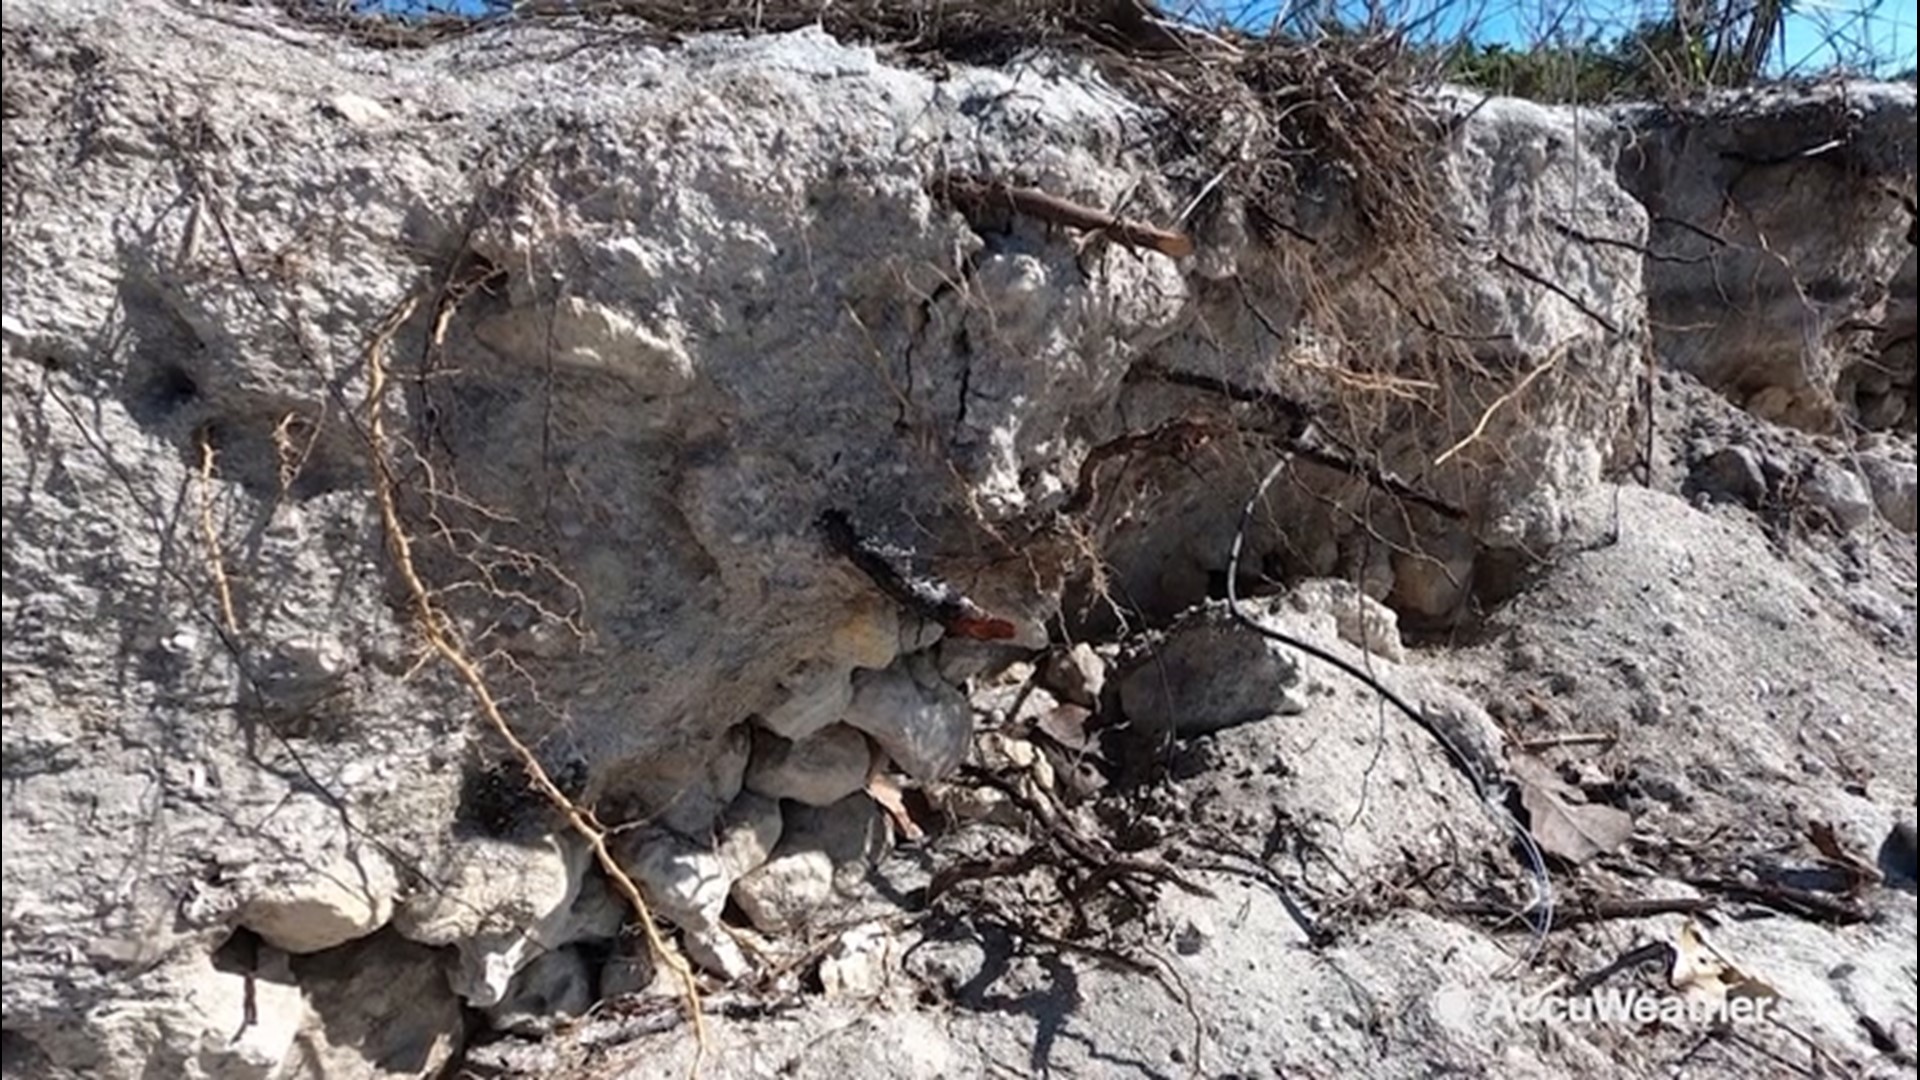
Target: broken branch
1300, 435
1174, 436
968, 194
1578, 913
1803, 903
1535, 276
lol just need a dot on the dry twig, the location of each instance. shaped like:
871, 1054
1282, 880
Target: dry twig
975, 196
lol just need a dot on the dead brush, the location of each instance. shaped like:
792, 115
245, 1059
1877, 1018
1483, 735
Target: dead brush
1278, 112
1343, 115
1271, 122
962, 29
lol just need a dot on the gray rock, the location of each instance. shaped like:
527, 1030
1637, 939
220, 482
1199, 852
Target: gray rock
1076, 675
1435, 580
597, 915
686, 884
1841, 493
683, 882
858, 964
188, 1025
853, 834
1361, 620
784, 894
920, 635
995, 701
378, 1009
712, 948
688, 787
1209, 673
819, 769
1893, 485
812, 697
556, 985
749, 832
359, 111
1732, 472
923, 725
501, 904
328, 906
868, 636
585, 334
960, 660
624, 974
1883, 411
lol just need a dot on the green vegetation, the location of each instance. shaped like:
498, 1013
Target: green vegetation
1591, 70
1696, 47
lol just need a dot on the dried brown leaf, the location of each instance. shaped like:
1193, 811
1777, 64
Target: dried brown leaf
1703, 972
882, 790
1567, 829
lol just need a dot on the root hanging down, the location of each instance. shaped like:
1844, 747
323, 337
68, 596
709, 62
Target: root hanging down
443, 639
210, 533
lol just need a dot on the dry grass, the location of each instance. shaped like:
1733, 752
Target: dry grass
1268, 113
1266, 123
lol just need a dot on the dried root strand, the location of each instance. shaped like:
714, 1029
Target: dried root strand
436, 628
210, 532
1486, 417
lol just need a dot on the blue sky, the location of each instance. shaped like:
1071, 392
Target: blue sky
1818, 33
1887, 29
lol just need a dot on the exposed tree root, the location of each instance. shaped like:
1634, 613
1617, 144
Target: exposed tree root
440, 635
978, 196
210, 532
1480, 429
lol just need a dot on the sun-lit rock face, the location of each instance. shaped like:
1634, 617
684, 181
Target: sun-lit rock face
635, 319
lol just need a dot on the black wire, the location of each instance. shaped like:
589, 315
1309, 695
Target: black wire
1491, 800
